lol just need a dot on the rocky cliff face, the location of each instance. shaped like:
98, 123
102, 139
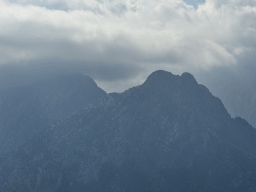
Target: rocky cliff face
169, 134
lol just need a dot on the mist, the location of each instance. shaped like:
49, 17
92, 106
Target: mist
127, 95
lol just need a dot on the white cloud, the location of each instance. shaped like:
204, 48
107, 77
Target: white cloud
150, 34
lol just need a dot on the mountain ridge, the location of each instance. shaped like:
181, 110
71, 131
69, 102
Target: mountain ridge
28, 109
170, 133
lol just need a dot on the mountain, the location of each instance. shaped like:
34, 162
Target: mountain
168, 134
25, 111
236, 91
240, 101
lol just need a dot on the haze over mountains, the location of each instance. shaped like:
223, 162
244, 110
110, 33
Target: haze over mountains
165, 133
235, 89
27, 110
239, 99
168, 134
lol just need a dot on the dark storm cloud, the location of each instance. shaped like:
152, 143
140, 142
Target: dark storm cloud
121, 42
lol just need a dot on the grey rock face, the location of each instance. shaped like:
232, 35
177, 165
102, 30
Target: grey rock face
169, 134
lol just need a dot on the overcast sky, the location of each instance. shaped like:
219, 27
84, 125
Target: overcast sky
120, 42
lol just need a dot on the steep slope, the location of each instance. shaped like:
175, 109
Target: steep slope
169, 134
25, 111
236, 91
240, 101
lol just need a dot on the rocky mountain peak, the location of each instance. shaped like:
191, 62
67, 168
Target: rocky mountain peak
189, 78
161, 76
164, 79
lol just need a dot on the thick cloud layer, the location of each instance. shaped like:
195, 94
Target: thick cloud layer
119, 42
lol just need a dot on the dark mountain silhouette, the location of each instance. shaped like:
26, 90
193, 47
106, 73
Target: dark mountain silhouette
25, 111
168, 134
